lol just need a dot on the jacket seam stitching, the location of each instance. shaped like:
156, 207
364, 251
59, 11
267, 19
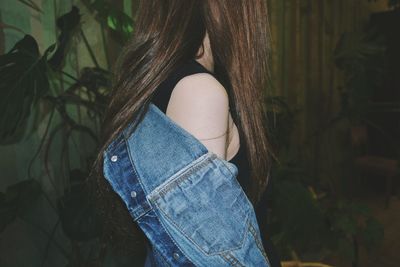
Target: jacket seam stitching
172, 239
155, 251
134, 167
234, 177
171, 182
195, 243
227, 167
258, 242
125, 143
232, 260
164, 228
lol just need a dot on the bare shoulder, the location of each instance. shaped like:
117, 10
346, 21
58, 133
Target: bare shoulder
202, 87
199, 103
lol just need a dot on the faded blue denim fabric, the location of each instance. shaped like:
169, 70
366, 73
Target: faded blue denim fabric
185, 198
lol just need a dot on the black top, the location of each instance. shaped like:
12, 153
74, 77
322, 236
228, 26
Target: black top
161, 98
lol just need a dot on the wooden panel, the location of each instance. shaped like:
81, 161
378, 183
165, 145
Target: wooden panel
305, 34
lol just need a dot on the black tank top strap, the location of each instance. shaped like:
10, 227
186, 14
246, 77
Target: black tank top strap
163, 92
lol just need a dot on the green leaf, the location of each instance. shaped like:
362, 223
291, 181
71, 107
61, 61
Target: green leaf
68, 24
31, 4
346, 248
373, 233
17, 200
361, 209
300, 218
24, 80
108, 15
346, 224
7, 212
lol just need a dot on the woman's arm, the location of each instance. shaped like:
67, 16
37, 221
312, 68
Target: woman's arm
199, 103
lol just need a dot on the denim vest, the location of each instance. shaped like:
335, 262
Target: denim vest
185, 198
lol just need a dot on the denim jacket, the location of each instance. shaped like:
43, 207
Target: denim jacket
185, 198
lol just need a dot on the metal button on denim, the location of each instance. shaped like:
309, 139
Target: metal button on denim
133, 194
176, 255
114, 158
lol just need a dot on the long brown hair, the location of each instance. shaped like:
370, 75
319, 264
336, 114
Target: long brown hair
167, 33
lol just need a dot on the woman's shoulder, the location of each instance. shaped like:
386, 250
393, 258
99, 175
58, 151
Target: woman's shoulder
200, 98
199, 103
201, 86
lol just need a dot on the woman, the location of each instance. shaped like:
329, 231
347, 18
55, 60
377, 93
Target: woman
210, 59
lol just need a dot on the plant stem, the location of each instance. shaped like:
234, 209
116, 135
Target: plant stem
89, 48
48, 241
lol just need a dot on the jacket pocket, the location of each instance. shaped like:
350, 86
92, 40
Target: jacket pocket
205, 202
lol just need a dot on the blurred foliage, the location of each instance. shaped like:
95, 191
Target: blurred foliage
112, 18
24, 82
360, 55
306, 217
17, 200
35, 87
